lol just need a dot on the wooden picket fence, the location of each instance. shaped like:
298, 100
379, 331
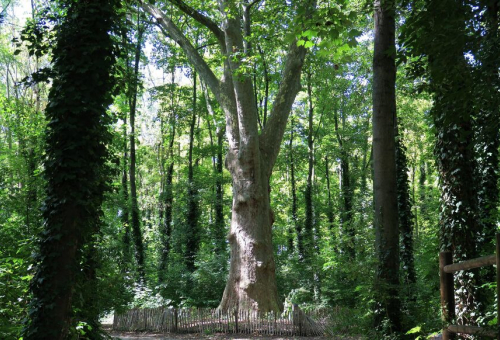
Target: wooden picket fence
207, 321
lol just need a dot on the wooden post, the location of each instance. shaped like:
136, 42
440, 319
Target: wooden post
498, 285
175, 320
447, 294
236, 321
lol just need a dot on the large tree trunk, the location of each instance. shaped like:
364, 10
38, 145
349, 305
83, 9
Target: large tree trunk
387, 317
76, 153
251, 157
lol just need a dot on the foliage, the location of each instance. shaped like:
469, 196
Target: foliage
340, 272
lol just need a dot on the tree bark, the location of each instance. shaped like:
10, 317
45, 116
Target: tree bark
387, 316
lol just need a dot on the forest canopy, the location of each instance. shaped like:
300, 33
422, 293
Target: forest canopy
247, 154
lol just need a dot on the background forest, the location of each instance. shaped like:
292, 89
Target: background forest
159, 234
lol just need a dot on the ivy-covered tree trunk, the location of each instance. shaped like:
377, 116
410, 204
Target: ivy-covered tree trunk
76, 136
251, 156
488, 125
406, 218
135, 221
452, 114
387, 305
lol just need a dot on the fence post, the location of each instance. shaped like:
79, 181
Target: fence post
447, 294
498, 284
175, 321
236, 320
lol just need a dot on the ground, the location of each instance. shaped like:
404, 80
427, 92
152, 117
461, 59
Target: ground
151, 336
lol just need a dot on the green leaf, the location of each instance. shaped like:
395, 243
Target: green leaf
308, 44
414, 330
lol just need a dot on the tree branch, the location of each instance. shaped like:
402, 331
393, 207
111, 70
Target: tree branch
272, 134
205, 21
192, 54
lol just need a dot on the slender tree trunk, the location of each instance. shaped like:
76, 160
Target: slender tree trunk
125, 200
346, 215
219, 229
166, 201
388, 312
220, 225
330, 211
309, 209
295, 223
406, 218
134, 206
192, 232
266, 84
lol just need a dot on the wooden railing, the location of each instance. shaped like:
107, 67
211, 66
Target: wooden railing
446, 270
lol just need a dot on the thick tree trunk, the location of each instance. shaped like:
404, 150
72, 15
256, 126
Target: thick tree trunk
76, 153
488, 123
388, 312
251, 157
252, 281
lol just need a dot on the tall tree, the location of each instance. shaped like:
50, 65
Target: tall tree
76, 152
167, 171
406, 217
251, 157
308, 237
445, 40
135, 221
192, 211
487, 85
387, 316
346, 214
